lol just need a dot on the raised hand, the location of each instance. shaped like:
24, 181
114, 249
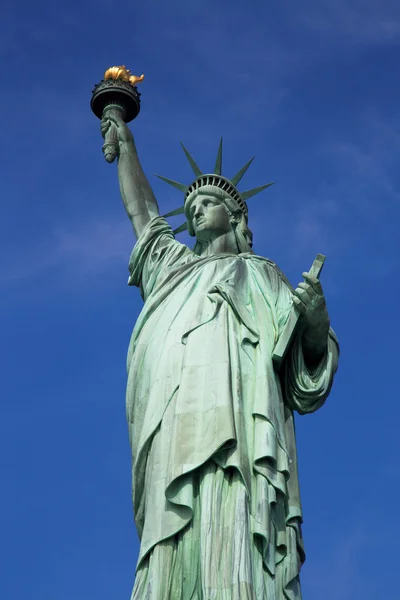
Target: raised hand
112, 118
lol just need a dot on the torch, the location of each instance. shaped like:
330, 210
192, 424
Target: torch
116, 94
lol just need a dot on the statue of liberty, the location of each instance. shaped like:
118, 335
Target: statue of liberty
214, 465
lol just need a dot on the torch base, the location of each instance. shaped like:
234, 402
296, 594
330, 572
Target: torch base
116, 92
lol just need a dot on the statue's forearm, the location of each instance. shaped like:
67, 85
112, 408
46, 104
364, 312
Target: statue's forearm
137, 195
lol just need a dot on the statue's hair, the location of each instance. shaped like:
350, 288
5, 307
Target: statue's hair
243, 235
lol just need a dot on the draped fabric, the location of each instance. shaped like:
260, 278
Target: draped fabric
214, 465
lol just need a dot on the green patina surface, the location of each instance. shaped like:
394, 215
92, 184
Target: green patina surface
210, 416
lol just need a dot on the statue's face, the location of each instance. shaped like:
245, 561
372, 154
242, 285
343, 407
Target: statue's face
210, 217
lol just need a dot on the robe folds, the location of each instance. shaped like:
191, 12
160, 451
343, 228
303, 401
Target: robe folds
214, 465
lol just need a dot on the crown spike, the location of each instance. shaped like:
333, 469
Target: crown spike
254, 191
179, 186
181, 228
174, 213
218, 160
195, 168
235, 180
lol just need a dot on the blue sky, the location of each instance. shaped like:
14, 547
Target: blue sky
312, 89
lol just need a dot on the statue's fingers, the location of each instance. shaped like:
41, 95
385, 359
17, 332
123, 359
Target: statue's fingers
113, 117
314, 282
299, 305
307, 288
312, 279
105, 126
303, 295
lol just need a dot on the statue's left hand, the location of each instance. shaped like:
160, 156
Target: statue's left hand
310, 301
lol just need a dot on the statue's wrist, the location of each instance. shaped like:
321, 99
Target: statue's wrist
314, 344
316, 338
127, 147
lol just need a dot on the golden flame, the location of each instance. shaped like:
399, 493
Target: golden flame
122, 73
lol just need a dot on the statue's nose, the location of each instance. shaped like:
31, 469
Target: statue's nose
198, 212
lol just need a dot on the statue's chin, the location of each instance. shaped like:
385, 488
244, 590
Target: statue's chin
203, 232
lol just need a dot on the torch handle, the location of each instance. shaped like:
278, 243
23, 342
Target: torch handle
111, 144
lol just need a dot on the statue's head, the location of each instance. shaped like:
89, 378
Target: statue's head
213, 205
210, 212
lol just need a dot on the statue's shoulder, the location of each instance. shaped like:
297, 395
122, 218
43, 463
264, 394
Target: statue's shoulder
270, 265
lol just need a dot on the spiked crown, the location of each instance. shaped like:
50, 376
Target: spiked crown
216, 180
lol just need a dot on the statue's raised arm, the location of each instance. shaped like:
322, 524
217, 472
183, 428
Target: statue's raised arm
137, 195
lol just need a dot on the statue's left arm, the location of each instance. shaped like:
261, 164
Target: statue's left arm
312, 360
309, 300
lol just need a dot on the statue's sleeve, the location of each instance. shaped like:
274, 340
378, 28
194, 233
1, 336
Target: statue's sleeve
154, 253
307, 389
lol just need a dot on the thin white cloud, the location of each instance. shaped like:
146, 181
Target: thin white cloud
367, 164
241, 58
340, 571
351, 215
361, 21
86, 250
349, 211
338, 576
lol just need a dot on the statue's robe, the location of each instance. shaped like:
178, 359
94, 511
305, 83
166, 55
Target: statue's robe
215, 485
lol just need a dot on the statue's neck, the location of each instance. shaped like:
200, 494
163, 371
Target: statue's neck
223, 244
